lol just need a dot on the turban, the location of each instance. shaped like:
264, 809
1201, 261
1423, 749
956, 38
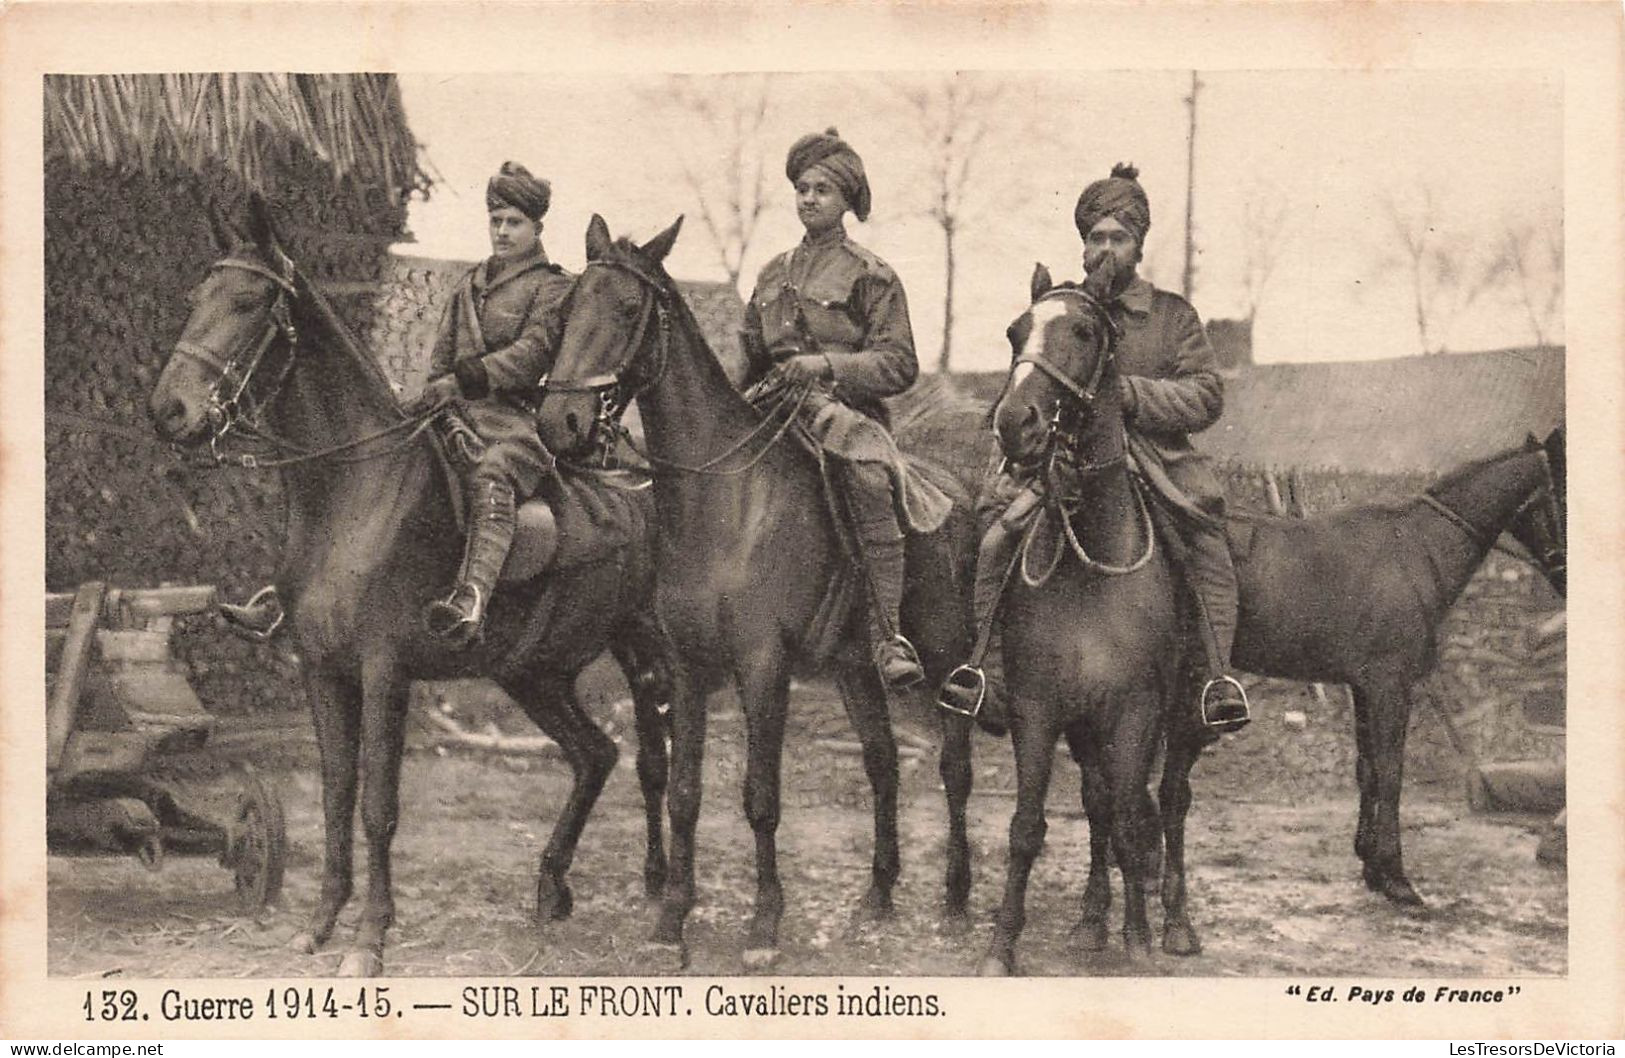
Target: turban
1120, 197
514, 186
830, 153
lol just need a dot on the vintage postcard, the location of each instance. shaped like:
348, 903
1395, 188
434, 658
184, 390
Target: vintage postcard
691, 520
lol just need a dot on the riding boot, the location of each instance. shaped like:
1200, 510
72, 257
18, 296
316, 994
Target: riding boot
257, 619
650, 660
880, 539
492, 516
1222, 702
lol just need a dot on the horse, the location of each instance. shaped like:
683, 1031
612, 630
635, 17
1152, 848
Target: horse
370, 536
1355, 596
746, 548
1091, 634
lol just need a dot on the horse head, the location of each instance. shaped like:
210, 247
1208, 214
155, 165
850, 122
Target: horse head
1541, 522
617, 322
241, 318
1063, 374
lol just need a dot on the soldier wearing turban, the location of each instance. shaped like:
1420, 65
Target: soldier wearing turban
496, 341
1171, 389
828, 325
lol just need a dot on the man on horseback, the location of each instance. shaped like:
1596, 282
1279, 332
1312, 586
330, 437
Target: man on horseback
491, 352
1170, 388
829, 320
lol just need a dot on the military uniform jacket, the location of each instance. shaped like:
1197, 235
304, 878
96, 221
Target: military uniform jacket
495, 334
1171, 389
832, 296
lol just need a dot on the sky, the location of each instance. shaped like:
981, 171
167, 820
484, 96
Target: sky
1328, 149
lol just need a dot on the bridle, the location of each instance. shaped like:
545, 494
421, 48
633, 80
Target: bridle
617, 388
1062, 457
235, 370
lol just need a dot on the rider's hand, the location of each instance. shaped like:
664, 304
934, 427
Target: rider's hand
436, 391
805, 369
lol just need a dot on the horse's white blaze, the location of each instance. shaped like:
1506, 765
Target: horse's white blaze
1044, 313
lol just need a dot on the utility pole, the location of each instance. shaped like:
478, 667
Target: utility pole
1188, 282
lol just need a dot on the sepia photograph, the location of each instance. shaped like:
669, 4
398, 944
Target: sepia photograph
797, 539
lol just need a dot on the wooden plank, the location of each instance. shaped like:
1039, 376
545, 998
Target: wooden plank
136, 603
70, 677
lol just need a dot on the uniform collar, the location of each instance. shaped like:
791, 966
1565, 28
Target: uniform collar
508, 270
824, 238
1136, 297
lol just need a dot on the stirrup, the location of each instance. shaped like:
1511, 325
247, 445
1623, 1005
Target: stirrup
912, 679
967, 683
444, 619
233, 615
1231, 722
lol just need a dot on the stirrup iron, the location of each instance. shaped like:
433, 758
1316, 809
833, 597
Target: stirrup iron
466, 626
249, 632
1246, 707
964, 683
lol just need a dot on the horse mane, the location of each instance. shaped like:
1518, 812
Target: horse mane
378, 392
1454, 477
628, 252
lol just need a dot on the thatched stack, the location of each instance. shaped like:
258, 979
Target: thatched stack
128, 162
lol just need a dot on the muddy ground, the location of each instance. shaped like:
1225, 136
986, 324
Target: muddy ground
1275, 887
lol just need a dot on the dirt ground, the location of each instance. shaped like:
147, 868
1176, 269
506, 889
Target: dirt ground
1275, 887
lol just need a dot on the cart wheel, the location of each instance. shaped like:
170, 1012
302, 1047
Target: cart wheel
259, 844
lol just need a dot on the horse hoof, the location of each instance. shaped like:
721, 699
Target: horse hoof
955, 922
1090, 934
876, 906
553, 903
758, 959
1403, 893
995, 966
1181, 940
304, 943
654, 881
361, 964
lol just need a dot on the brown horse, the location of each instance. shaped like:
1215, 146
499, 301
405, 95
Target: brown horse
747, 548
370, 537
1353, 596
1092, 643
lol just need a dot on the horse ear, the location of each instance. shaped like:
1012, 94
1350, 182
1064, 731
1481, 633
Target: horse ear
597, 238
1100, 281
658, 247
260, 226
1042, 283
219, 230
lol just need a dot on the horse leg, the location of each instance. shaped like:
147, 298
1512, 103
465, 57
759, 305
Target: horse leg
1389, 716
688, 707
1090, 932
865, 701
1129, 749
551, 703
653, 767
335, 708
764, 690
1365, 778
383, 731
1034, 741
1174, 794
954, 766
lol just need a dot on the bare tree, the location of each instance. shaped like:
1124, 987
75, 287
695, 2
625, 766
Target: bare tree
716, 131
1529, 258
1264, 216
1440, 265
953, 117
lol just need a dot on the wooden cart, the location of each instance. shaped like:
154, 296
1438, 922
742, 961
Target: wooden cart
120, 707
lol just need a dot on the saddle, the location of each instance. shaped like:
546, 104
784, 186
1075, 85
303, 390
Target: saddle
582, 515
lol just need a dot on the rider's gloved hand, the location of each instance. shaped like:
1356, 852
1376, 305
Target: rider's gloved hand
436, 391
805, 369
